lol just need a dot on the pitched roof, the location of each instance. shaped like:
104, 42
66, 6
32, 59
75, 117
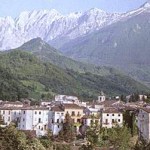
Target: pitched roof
72, 106
106, 103
145, 109
34, 108
57, 109
111, 110
10, 108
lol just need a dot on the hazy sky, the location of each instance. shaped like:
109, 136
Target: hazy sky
14, 7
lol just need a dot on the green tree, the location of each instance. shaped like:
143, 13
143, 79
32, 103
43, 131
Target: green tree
12, 139
68, 131
92, 136
119, 138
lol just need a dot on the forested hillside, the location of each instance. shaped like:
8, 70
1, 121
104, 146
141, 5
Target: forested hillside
27, 76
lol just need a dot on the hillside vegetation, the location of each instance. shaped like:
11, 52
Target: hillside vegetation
27, 76
47, 53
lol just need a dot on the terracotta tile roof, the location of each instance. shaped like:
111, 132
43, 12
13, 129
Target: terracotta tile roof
57, 108
111, 110
71, 106
145, 109
10, 108
129, 108
108, 103
34, 108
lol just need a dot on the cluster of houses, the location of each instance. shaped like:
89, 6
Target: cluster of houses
52, 114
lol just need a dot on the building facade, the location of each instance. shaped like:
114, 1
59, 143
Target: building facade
34, 118
144, 123
111, 117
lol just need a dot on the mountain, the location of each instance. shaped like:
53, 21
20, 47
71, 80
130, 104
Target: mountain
123, 45
51, 26
47, 53
55, 28
27, 76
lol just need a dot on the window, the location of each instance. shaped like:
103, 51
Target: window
23, 119
78, 120
24, 112
39, 127
78, 113
107, 114
58, 126
9, 112
62, 113
112, 114
113, 121
3, 111
73, 113
118, 120
39, 112
91, 121
57, 120
106, 121
8, 118
45, 127
14, 113
118, 114
35, 112
39, 120
52, 121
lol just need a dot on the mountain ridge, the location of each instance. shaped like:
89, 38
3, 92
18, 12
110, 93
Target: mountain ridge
123, 45
47, 53
51, 26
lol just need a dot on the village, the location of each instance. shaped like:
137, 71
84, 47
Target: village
51, 114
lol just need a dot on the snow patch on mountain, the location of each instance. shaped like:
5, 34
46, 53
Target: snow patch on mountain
50, 25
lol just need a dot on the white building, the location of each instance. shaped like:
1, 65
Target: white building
91, 111
102, 97
56, 119
34, 118
10, 114
111, 117
144, 123
65, 99
58, 114
45, 103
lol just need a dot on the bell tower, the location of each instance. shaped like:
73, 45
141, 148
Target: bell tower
102, 97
